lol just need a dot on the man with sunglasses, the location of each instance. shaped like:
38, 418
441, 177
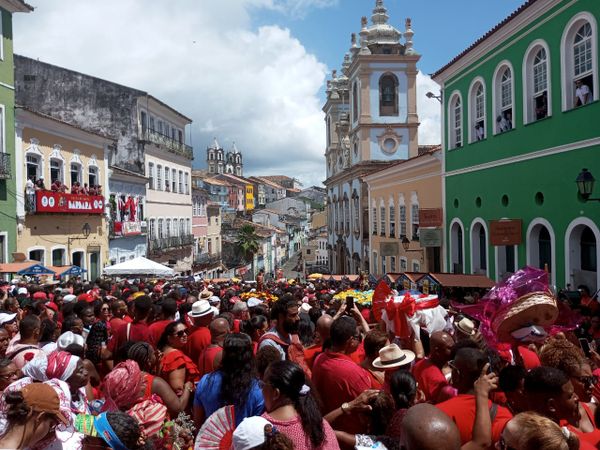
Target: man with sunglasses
337, 378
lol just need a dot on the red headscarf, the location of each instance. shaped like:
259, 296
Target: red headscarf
122, 386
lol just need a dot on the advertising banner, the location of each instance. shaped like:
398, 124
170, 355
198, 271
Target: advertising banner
61, 202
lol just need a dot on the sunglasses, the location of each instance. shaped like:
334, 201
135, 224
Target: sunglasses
589, 380
104, 309
181, 333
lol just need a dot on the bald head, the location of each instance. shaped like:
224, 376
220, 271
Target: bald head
441, 344
427, 428
324, 326
218, 330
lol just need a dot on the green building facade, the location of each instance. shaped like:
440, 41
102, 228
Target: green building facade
8, 182
521, 119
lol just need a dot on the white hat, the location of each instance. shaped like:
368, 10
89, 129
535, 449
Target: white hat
214, 300
253, 301
69, 298
250, 433
466, 326
7, 317
200, 308
305, 307
392, 356
22, 290
68, 338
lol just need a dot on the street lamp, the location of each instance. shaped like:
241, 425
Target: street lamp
85, 230
406, 246
432, 95
585, 185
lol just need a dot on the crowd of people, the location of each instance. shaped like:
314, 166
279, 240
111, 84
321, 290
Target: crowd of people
141, 364
37, 184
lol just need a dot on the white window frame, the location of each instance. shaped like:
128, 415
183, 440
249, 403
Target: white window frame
159, 177
180, 190
1, 36
374, 224
61, 167
497, 98
452, 124
566, 58
528, 97
382, 217
79, 172
416, 265
476, 116
187, 183
151, 176
174, 181
392, 218
403, 267
92, 168
402, 222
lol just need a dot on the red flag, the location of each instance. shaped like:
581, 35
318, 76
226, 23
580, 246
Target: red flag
382, 291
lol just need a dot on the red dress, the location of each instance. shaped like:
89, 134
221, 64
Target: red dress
176, 359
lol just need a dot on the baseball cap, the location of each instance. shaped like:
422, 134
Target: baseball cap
68, 338
250, 433
69, 298
40, 295
22, 291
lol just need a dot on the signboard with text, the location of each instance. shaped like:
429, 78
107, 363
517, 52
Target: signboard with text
430, 217
61, 202
128, 228
430, 237
506, 232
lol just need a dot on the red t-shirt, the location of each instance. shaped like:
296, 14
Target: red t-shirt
197, 342
311, 353
432, 381
156, 330
461, 410
206, 364
338, 379
138, 332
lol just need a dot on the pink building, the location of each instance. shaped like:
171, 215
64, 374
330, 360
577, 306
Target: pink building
199, 219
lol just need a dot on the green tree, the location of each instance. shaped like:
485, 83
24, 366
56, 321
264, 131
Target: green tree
248, 244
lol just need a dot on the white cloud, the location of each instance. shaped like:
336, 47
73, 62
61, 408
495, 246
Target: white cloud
429, 110
259, 88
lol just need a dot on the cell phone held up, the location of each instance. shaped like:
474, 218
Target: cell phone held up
349, 304
585, 346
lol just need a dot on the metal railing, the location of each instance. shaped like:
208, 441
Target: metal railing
5, 172
155, 245
170, 144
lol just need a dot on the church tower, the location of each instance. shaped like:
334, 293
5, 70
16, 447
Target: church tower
215, 158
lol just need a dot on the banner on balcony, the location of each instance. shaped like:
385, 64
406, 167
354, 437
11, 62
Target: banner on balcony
128, 228
60, 202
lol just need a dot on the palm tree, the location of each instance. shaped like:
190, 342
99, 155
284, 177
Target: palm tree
248, 244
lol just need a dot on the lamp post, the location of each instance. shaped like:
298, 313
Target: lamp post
585, 185
406, 246
85, 230
432, 95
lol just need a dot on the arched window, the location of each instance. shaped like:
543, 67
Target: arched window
455, 122
328, 129
92, 176
579, 61
503, 99
477, 112
56, 170
537, 82
355, 102
388, 95
544, 249
456, 247
75, 173
588, 250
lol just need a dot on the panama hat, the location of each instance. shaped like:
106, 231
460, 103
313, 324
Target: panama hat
200, 309
466, 326
206, 294
392, 356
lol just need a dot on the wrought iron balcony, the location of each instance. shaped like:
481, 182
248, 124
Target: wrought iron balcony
156, 245
168, 143
5, 172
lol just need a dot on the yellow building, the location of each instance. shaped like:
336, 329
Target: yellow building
249, 197
405, 215
61, 228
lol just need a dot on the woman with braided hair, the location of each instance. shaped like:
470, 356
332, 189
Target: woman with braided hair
145, 355
116, 430
561, 354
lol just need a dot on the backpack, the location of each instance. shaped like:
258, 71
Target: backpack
294, 351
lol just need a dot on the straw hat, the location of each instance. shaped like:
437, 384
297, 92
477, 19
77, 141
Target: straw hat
466, 326
206, 294
392, 356
200, 308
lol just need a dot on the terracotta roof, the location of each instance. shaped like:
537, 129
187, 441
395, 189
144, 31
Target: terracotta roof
216, 182
341, 277
521, 8
461, 280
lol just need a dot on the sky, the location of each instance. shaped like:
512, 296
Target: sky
251, 72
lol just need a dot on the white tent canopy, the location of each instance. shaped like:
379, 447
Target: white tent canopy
139, 266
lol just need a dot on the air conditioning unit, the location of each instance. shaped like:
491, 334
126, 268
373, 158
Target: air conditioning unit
144, 226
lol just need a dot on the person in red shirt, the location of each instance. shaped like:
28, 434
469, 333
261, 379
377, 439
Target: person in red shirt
337, 378
119, 314
466, 369
428, 371
168, 308
210, 359
587, 300
551, 394
201, 315
322, 330
137, 330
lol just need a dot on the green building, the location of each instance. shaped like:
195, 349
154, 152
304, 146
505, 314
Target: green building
521, 119
8, 206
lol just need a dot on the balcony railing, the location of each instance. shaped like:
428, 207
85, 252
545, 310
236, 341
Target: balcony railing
170, 144
5, 172
156, 245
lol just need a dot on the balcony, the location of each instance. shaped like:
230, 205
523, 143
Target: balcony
5, 172
207, 259
158, 245
42, 202
171, 145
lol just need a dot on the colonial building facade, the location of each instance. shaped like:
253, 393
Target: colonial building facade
520, 123
371, 121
